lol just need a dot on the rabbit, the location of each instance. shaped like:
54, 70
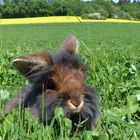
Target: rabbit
59, 77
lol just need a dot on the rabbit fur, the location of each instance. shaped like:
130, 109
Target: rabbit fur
59, 77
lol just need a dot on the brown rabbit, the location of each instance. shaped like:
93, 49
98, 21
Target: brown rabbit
60, 78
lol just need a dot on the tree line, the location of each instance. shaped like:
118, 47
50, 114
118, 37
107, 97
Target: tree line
35, 8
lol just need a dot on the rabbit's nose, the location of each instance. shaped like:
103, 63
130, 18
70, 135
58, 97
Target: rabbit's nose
76, 107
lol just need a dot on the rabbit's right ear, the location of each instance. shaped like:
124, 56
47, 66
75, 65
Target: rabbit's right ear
29, 65
71, 44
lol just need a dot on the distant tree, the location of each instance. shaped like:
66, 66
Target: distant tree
134, 1
124, 1
34, 8
73, 7
0, 10
58, 7
6, 1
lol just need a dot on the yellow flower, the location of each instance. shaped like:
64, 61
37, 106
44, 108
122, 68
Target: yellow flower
58, 19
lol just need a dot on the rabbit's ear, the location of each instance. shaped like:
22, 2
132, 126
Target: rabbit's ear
71, 44
29, 65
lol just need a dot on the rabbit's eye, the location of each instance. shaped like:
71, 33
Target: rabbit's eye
87, 97
64, 97
51, 85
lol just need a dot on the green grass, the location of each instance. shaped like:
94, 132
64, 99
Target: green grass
112, 52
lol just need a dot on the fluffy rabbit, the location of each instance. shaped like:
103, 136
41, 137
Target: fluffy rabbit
59, 77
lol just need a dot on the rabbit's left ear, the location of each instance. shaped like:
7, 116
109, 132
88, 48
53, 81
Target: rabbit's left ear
71, 44
29, 65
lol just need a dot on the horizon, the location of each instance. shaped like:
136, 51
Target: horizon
1, 1
116, 1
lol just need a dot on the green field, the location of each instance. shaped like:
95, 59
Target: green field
112, 53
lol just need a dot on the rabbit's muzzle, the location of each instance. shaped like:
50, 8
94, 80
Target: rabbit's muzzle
75, 108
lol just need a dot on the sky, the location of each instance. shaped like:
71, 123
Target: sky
116, 0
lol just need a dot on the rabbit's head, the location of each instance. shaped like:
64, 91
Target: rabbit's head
62, 76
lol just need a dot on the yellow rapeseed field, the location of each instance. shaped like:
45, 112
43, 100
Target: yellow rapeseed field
58, 19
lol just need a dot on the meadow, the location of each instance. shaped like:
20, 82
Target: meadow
112, 54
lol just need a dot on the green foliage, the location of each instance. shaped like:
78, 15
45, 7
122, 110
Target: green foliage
133, 9
35, 8
28, 8
112, 56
